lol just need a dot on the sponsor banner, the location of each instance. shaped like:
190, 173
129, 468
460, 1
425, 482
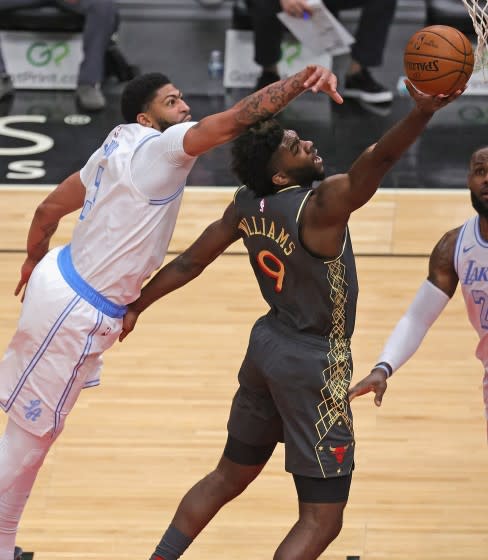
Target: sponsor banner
42, 60
240, 70
44, 138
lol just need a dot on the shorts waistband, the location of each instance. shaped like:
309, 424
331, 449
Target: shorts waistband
83, 289
304, 337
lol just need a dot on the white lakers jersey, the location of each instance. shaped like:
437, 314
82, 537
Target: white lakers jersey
471, 264
134, 185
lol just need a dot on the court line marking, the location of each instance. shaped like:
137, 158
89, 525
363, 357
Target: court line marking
196, 188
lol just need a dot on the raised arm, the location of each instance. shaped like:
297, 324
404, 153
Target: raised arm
340, 195
185, 267
217, 129
67, 197
429, 302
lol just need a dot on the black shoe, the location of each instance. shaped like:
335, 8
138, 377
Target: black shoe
362, 85
6, 86
380, 109
18, 553
266, 78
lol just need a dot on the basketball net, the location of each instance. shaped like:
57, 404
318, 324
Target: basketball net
478, 12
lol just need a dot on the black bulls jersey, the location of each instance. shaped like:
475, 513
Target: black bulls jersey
308, 293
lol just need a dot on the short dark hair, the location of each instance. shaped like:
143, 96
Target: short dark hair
475, 154
252, 153
139, 92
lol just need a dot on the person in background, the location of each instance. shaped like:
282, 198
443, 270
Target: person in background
100, 24
371, 35
459, 257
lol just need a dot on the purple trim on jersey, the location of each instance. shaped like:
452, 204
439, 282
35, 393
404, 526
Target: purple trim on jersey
162, 201
477, 233
42, 348
457, 249
90, 384
146, 138
74, 375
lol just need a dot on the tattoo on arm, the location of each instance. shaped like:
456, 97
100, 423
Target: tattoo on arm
270, 100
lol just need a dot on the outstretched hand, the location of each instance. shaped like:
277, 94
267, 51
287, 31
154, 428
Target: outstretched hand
128, 323
431, 103
374, 382
324, 80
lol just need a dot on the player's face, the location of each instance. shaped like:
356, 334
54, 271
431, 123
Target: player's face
478, 181
168, 108
299, 160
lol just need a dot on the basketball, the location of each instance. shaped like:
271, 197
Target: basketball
438, 59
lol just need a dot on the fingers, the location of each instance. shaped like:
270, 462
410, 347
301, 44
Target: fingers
456, 94
326, 81
22, 284
314, 76
336, 96
297, 9
358, 390
409, 86
375, 382
378, 399
128, 324
433, 102
19, 287
412, 90
126, 329
352, 394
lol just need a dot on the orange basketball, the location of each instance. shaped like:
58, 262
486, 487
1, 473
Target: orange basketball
438, 59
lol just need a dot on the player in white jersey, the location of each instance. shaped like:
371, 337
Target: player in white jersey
129, 193
460, 256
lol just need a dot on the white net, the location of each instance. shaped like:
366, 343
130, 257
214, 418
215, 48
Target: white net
478, 12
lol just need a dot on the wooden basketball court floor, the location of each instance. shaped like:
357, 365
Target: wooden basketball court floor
134, 445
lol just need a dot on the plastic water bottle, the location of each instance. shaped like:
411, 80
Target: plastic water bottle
215, 73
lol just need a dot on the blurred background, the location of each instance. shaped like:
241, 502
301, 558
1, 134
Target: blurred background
177, 37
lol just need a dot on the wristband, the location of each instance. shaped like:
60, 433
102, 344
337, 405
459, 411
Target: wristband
385, 367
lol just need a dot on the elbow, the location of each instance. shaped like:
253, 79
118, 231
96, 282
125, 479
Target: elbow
41, 211
46, 216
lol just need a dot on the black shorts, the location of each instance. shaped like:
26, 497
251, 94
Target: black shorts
309, 490
293, 388
322, 490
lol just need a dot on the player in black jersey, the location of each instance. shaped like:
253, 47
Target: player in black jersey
294, 379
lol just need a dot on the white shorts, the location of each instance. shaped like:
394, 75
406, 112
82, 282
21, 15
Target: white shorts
56, 350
